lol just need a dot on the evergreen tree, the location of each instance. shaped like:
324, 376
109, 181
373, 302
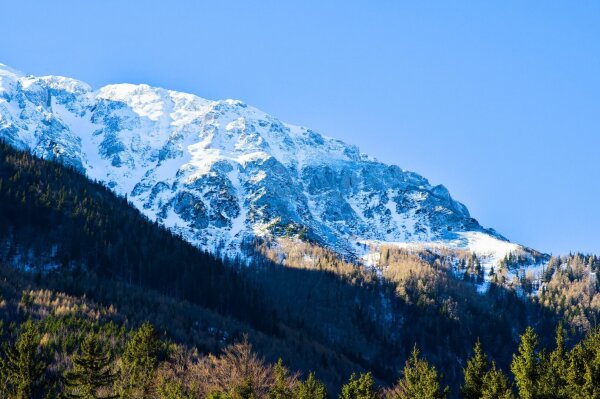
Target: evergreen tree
477, 367
495, 385
362, 387
525, 365
280, 388
24, 367
242, 391
576, 372
420, 380
91, 377
583, 371
138, 364
311, 389
553, 379
478, 270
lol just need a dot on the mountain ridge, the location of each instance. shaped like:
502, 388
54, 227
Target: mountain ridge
221, 173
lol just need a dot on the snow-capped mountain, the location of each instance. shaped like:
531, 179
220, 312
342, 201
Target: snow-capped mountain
221, 172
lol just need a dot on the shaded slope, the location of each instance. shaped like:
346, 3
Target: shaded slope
52, 217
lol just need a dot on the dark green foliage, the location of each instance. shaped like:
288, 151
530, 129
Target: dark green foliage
527, 366
482, 379
495, 385
92, 375
281, 388
553, 381
311, 389
361, 387
419, 381
138, 364
23, 366
477, 367
583, 372
576, 372
242, 391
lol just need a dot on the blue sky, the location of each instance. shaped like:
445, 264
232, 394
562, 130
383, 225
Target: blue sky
499, 101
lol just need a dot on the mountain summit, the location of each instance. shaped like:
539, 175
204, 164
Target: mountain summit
222, 173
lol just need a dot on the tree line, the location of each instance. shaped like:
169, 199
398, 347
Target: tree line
146, 366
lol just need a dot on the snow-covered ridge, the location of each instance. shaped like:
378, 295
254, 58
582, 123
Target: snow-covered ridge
223, 172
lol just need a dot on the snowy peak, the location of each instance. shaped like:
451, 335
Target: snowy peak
221, 172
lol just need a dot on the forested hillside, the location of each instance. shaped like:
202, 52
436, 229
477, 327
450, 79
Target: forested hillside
63, 233
60, 346
53, 218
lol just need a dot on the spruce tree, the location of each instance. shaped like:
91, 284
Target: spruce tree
361, 387
92, 376
583, 371
242, 391
477, 366
138, 364
553, 380
495, 385
24, 367
420, 380
280, 388
576, 372
525, 365
592, 345
311, 389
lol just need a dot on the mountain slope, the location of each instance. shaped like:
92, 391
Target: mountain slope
60, 231
221, 173
54, 219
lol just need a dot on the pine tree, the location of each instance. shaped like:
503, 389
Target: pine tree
24, 366
242, 391
280, 388
420, 380
311, 389
553, 379
576, 372
495, 385
583, 371
362, 387
525, 365
138, 364
91, 377
477, 366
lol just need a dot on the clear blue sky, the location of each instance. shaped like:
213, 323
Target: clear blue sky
499, 102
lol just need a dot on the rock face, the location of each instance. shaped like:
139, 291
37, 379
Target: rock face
222, 172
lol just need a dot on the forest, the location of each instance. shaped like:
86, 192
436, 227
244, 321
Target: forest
71, 353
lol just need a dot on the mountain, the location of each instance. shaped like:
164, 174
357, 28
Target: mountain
222, 173
221, 185
61, 232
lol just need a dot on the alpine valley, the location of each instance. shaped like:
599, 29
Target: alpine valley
214, 221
